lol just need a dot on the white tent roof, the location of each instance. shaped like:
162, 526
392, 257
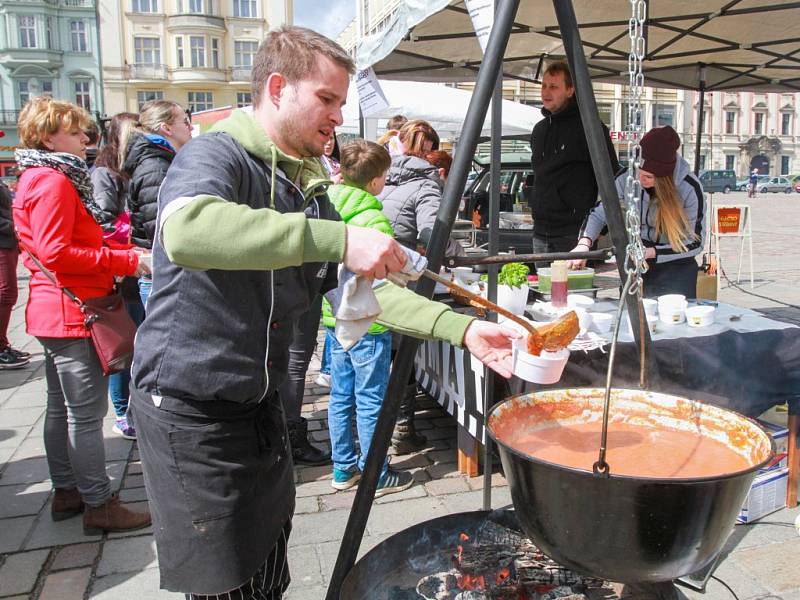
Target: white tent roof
443, 107
745, 44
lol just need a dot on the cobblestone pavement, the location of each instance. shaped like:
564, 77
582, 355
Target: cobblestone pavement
44, 560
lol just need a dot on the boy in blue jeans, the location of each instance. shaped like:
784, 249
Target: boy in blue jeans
360, 375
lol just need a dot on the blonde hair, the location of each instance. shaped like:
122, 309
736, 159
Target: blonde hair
153, 115
671, 219
43, 116
414, 134
384, 139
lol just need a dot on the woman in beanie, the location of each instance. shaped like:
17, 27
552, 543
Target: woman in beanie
672, 214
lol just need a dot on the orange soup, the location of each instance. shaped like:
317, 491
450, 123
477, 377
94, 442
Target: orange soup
633, 450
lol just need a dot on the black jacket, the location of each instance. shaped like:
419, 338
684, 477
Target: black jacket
8, 238
146, 163
564, 189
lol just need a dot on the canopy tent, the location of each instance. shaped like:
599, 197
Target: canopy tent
715, 45
443, 107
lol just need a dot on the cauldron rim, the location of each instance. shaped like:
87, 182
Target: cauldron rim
654, 480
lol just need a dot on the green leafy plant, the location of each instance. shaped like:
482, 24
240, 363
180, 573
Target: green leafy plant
514, 275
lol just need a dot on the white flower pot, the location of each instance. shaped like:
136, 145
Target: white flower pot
513, 299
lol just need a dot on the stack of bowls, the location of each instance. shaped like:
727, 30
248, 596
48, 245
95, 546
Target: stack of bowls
672, 308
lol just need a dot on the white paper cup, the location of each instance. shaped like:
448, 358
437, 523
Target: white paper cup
650, 306
544, 369
700, 316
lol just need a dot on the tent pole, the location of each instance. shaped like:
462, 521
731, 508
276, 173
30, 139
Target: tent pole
596, 140
404, 360
700, 118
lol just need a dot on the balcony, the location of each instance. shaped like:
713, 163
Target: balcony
12, 58
77, 3
241, 73
8, 118
147, 71
195, 20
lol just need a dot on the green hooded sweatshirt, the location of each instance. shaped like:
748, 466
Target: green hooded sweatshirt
208, 232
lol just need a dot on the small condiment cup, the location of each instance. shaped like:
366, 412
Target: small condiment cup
650, 306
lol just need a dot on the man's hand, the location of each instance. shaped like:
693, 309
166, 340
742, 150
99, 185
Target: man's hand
491, 344
578, 263
372, 254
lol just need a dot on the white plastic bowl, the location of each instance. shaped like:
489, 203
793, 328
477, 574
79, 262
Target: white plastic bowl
671, 299
579, 301
601, 322
700, 316
546, 368
672, 312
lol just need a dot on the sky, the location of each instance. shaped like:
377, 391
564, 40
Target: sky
328, 17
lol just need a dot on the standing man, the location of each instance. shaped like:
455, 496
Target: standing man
564, 189
246, 238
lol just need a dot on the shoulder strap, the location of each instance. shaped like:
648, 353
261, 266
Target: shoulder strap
47, 273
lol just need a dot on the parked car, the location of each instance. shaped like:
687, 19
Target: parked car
742, 184
718, 181
775, 185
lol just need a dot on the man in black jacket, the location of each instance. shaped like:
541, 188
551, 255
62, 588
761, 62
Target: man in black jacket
564, 189
9, 255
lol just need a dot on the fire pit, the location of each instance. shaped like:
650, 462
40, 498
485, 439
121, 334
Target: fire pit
478, 555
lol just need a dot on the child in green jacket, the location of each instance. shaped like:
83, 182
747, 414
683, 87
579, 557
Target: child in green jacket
360, 375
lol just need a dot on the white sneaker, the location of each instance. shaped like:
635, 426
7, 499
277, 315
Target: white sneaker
323, 380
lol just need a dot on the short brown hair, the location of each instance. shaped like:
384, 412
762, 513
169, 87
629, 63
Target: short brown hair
414, 134
292, 52
560, 66
440, 159
396, 122
363, 161
43, 116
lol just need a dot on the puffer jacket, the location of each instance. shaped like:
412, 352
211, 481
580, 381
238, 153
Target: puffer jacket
146, 163
110, 193
411, 199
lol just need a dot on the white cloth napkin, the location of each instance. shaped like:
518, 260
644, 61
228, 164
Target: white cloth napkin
354, 303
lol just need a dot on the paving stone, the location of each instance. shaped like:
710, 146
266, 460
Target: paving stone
306, 505
476, 483
415, 491
26, 399
315, 473
76, 555
318, 527
742, 582
760, 562
305, 566
21, 500
404, 462
14, 533
50, 533
20, 571
66, 584
131, 586
11, 437
387, 518
133, 481
31, 470
133, 494
442, 456
440, 434
420, 475
5, 456
30, 448
468, 501
117, 448
17, 417
316, 592
134, 468
328, 551
314, 488
127, 555
338, 501
443, 470
451, 485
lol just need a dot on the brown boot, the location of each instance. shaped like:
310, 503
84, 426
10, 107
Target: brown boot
113, 516
66, 503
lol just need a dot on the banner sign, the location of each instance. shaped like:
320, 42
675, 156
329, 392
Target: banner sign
482, 14
454, 378
370, 95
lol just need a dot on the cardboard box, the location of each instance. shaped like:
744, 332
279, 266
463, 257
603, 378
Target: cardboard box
766, 495
779, 433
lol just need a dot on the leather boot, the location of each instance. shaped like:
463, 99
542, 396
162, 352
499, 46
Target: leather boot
113, 516
66, 503
405, 437
303, 452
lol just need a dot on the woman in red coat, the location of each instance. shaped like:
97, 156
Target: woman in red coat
56, 219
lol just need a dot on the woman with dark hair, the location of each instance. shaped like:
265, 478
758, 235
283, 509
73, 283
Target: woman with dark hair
111, 194
58, 223
330, 157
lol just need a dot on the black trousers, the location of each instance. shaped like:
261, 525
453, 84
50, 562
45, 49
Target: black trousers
674, 277
300, 353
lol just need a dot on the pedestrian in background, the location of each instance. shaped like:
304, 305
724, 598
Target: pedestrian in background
10, 358
58, 223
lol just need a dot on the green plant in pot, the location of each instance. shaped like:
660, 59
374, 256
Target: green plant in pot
512, 287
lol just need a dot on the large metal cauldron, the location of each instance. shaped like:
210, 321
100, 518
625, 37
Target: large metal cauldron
622, 528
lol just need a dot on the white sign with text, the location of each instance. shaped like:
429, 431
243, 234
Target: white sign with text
482, 14
370, 95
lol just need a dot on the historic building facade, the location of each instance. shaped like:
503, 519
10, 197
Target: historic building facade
196, 52
46, 47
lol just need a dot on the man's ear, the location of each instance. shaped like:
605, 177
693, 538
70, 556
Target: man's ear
275, 85
570, 91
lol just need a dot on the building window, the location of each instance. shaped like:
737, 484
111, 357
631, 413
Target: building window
24, 92
730, 161
215, 53
145, 6
197, 49
785, 165
244, 8
758, 124
82, 97
243, 99
147, 51
147, 95
27, 31
786, 124
179, 50
77, 30
33, 87
625, 116
244, 53
606, 112
48, 32
200, 7
730, 121
200, 101
663, 115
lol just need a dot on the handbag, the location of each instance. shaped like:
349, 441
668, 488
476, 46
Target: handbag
110, 326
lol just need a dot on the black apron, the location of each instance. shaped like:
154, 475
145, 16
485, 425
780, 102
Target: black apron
674, 277
220, 485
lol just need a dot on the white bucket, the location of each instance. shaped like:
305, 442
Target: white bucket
513, 299
672, 312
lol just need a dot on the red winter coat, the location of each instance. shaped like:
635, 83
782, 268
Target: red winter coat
54, 225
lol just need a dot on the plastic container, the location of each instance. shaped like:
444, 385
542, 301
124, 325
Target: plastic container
601, 322
544, 369
650, 306
579, 301
672, 312
671, 298
581, 279
513, 299
700, 316
558, 283
465, 276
